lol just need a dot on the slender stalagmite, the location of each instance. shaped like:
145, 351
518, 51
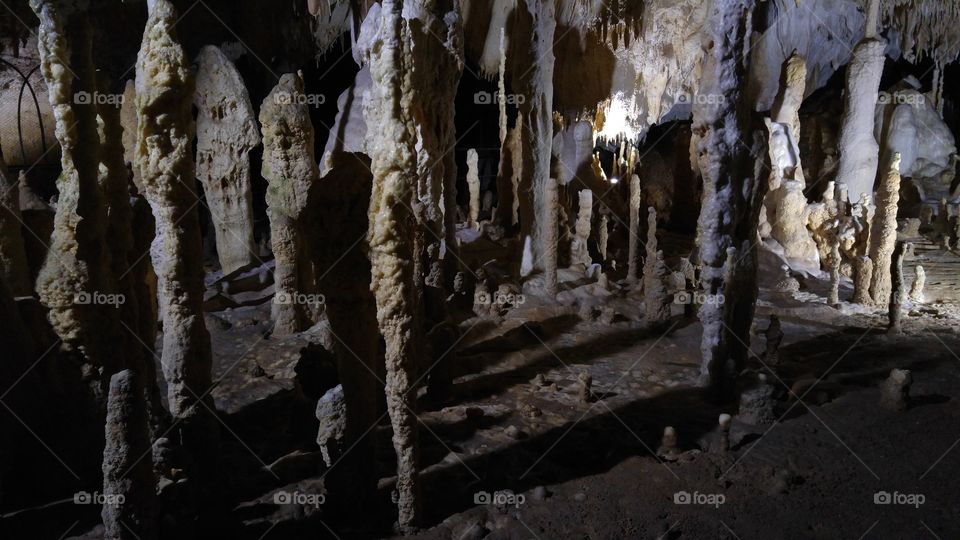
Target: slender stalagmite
732, 194
538, 108
473, 183
862, 274
858, 148
391, 238
291, 172
633, 240
130, 513
226, 133
883, 233
74, 281
656, 299
916, 288
897, 289
833, 298
13, 256
603, 237
164, 155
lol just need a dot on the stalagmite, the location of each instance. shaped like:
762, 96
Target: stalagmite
786, 106
130, 512
473, 184
164, 156
291, 172
579, 253
895, 390
13, 255
883, 232
603, 238
668, 444
916, 288
586, 384
226, 133
732, 194
774, 337
332, 414
858, 148
633, 256
898, 290
391, 239
74, 275
537, 80
723, 424
656, 300
833, 299
862, 274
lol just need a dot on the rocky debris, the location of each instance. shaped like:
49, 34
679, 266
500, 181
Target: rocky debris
332, 415
757, 403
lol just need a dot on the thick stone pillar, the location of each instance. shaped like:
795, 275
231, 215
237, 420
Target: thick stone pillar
164, 156
724, 144
391, 239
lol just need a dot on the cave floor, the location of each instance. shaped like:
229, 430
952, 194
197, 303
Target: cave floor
571, 469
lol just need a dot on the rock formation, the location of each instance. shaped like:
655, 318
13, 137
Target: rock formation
226, 133
898, 291
732, 193
579, 252
633, 239
895, 390
858, 148
291, 172
391, 239
916, 288
883, 232
130, 508
164, 156
473, 183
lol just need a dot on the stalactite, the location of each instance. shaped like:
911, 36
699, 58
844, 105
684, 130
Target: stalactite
506, 197
13, 255
391, 238
164, 155
883, 234
226, 133
291, 172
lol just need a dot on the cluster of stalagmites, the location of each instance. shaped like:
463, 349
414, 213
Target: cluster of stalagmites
554, 207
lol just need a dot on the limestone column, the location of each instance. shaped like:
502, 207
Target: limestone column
898, 290
127, 478
603, 238
537, 80
724, 144
883, 232
75, 276
13, 255
505, 199
226, 133
164, 156
391, 235
858, 148
291, 172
